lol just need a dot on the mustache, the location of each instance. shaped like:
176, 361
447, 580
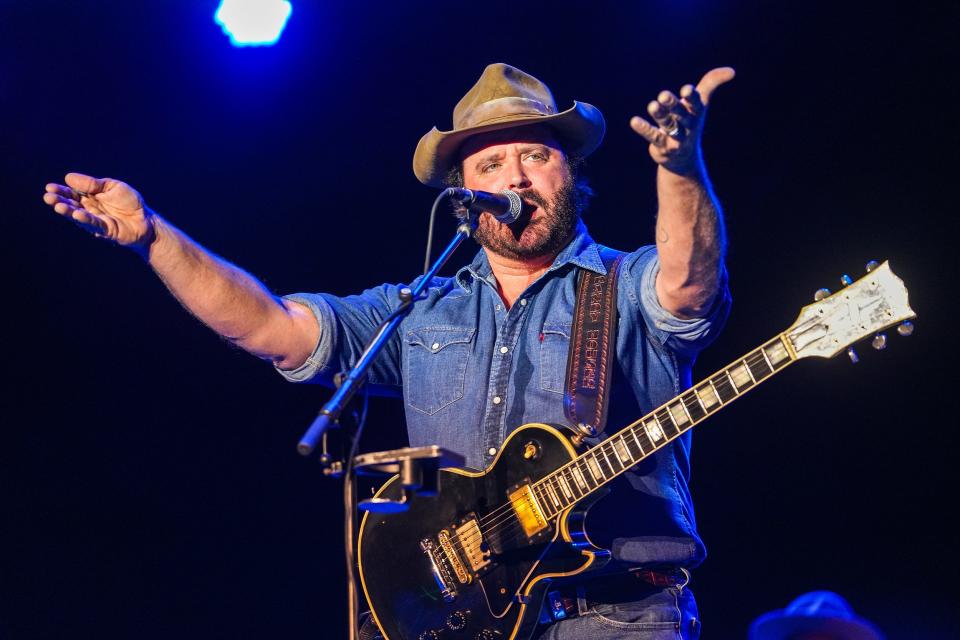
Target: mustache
534, 196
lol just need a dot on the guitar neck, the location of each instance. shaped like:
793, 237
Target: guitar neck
595, 468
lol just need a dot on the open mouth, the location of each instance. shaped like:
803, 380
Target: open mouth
526, 214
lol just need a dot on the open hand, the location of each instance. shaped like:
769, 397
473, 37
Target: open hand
675, 141
104, 207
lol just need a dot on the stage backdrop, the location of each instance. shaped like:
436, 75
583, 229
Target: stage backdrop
150, 486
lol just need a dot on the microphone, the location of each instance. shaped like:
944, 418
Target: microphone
505, 206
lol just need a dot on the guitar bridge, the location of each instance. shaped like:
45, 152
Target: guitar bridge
440, 569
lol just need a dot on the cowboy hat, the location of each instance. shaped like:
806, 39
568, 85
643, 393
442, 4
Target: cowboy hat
505, 97
823, 612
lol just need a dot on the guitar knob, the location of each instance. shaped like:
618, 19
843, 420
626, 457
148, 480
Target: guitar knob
531, 450
821, 294
854, 358
873, 264
431, 634
905, 329
879, 342
846, 280
487, 634
457, 621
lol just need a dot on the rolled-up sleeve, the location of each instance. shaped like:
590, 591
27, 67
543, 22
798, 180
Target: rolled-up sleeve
347, 324
639, 277
317, 365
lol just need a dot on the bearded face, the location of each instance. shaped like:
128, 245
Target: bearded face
543, 229
529, 161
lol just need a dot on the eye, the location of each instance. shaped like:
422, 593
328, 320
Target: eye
539, 156
490, 167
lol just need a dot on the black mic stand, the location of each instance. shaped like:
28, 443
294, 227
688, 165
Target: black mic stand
350, 383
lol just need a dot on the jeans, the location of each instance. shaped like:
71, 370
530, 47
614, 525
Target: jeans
670, 614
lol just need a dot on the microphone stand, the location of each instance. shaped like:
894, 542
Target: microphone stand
351, 382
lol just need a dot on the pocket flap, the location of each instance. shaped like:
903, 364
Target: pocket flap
436, 338
557, 329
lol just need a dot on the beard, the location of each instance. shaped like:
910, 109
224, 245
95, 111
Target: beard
542, 233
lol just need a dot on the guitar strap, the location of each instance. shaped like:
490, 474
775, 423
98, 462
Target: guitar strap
593, 343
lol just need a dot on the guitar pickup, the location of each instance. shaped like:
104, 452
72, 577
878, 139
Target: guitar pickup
528, 510
472, 545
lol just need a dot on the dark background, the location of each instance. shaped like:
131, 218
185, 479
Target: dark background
150, 486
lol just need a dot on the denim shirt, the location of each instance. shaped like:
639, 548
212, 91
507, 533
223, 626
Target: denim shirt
470, 371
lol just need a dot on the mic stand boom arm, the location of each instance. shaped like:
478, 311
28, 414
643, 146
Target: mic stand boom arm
352, 381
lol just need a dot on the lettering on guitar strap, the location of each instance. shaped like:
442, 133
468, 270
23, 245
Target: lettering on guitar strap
592, 342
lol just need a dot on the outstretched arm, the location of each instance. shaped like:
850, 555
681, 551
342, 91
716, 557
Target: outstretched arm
226, 298
690, 232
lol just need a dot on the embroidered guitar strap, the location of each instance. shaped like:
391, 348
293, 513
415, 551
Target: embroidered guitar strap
593, 343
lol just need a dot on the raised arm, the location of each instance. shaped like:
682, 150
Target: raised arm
224, 297
690, 232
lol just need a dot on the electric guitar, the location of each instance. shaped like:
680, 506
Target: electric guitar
475, 561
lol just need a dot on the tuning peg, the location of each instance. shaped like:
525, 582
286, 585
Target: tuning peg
846, 280
879, 342
821, 294
873, 264
905, 329
854, 358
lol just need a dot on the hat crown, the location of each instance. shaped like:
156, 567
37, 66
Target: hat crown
502, 91
505, 97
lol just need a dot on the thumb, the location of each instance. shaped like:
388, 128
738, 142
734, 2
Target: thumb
87, 184
713, 79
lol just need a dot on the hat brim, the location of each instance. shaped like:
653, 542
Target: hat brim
580, 130
780, 626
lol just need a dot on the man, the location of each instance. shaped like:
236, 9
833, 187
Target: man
485, 351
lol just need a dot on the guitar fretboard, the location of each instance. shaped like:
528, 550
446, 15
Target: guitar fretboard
601, 464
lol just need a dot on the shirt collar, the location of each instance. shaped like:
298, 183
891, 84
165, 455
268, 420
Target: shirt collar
581, 251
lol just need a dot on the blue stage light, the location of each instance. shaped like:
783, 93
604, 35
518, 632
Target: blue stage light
253, 22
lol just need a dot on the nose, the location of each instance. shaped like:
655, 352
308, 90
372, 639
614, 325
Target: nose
518, 178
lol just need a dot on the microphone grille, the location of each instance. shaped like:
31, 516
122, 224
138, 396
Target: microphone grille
516, 204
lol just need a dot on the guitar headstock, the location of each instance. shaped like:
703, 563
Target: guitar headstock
873, 303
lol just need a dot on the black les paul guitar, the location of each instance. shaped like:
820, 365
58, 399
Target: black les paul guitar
475, 561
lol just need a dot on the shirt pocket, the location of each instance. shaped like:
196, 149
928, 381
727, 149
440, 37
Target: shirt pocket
436, 366
554, 345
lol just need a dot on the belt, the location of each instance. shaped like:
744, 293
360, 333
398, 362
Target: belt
571, 600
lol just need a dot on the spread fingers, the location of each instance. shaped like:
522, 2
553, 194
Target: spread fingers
653, 135
691, 99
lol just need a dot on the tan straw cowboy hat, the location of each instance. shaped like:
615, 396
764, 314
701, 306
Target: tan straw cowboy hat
502, 98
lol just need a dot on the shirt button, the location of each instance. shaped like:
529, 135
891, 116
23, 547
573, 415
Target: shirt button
497, 399
523, 302
492, 451
499, 307
436, 345
504, 349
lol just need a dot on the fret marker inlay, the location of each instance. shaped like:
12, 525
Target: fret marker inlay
653, 430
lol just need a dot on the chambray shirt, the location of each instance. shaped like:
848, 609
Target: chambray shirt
470, 371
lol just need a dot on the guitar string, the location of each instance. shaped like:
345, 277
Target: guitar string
502, 515
504, 512
608, 447
507, 525
494, 521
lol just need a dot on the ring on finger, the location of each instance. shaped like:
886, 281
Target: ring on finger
673, 129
